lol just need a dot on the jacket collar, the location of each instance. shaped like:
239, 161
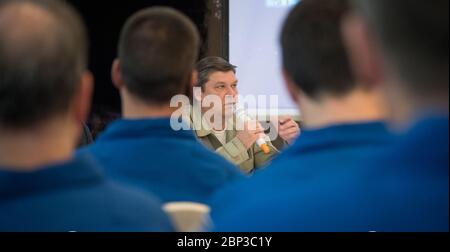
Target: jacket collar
78, 171
344, 135
198, 124
144, 128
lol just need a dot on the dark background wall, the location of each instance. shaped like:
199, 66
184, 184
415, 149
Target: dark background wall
104, 20
104, 23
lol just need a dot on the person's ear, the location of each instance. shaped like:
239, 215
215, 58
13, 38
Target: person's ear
198, 94
83, 97
116, 74
291, 87
364, 56
197, 91
194, 78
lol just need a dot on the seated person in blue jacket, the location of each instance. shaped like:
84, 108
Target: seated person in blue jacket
342, 119
401, 46
158, 49
45, 92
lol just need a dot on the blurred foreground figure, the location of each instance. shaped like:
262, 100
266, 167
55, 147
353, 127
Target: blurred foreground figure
45, 93
402, 47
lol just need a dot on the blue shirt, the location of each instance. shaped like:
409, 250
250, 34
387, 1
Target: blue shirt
150, 155
333, 183
299, 183
74, 196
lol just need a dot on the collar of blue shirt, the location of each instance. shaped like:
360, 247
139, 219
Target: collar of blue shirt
143, 128
81, 170
344, 134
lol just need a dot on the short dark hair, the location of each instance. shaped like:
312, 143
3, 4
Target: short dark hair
313, 50
209, 65
414, 37
43, 53
158, 49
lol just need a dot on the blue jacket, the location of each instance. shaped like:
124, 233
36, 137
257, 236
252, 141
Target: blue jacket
349, 178
74, 196
150, 155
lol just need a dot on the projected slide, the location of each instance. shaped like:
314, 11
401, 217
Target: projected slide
255, 26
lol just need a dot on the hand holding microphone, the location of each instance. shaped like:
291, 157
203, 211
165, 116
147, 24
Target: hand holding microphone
252, 131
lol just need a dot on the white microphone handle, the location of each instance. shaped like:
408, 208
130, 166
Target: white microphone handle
243, 116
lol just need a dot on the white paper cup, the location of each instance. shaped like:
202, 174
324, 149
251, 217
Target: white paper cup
188, 216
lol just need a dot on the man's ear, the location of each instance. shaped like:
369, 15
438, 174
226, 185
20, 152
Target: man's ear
197, 91
83, 97
116, 74
364, 57
291, 87
198, 94
194, 78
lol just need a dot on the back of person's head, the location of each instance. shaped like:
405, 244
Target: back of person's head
413, 38
43, 55
158, 49
314, 56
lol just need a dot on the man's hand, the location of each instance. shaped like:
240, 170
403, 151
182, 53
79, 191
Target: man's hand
251, 132
288, 129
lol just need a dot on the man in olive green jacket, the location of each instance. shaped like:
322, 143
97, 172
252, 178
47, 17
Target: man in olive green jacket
237, 148
216, 77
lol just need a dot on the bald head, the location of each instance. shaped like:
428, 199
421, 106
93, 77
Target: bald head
23, 23
43, 53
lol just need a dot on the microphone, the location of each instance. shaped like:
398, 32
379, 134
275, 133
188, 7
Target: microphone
242, 115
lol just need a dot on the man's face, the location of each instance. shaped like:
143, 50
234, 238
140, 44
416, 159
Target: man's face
223, 85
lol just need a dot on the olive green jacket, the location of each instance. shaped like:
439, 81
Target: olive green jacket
234, 150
